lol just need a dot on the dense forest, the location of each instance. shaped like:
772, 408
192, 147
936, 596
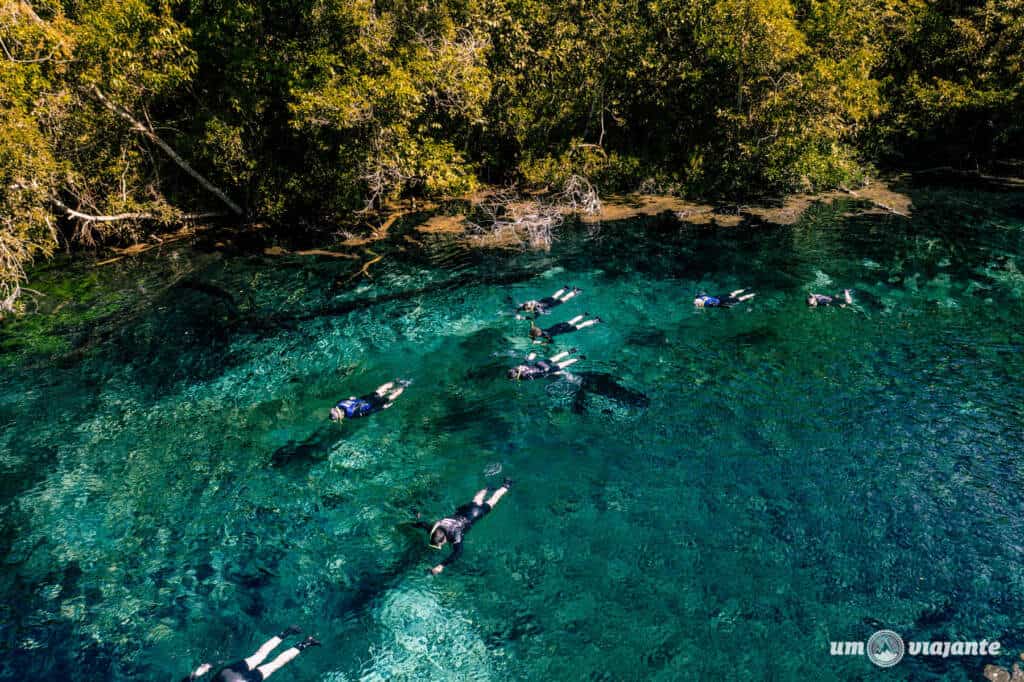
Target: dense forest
122, 116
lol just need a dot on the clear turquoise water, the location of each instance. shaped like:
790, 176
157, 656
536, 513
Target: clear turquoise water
799, 476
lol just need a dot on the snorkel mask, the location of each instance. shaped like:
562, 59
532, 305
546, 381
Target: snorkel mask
430, 535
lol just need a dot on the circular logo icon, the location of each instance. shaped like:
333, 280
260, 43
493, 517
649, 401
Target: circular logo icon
885, 648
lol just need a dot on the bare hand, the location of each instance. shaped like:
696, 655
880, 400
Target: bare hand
437, 569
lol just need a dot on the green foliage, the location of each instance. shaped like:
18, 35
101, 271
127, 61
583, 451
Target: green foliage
60, 150
316, 108
957, 84
26, 170
130, 48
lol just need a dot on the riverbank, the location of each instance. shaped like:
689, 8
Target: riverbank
450, 217
82, 294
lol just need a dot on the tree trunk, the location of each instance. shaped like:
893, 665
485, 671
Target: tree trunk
140, 127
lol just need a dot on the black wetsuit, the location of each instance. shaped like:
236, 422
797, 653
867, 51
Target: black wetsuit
542, 306
363, 406
720, 301
235, 672
560, 328
821, 299
457, 525
537, 370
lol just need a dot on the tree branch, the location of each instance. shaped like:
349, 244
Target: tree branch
145, 130
72, 213
88, 218
27, 8
25, 61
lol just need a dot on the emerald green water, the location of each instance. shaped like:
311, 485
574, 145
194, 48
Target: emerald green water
171, 492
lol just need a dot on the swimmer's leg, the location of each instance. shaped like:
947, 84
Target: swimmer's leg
584, 325
263, 652
395, 393
560, 356
744, 297
286, 656
576, 319
384, 388
734, 294
497, 495
557, 295
479, 497
569, 295
563, 365
847, 297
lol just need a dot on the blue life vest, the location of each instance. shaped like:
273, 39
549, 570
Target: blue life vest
355, 407
709, 301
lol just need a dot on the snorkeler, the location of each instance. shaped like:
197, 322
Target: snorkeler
841, 300
249, 669
381, 399
453, 528
544, 305
575, 324
720, 301
553, 366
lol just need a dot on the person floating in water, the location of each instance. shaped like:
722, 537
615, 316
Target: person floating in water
453, 528
249, 669
720, 301
544, 305
575, 324
381, 399
553, 366
841, 300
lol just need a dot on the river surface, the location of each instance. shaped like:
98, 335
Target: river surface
712, 494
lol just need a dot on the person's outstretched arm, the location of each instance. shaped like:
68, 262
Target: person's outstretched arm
451, 558
419, 523
198, 672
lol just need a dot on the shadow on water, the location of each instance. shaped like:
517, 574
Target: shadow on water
606, 386
313, 449
350, 604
